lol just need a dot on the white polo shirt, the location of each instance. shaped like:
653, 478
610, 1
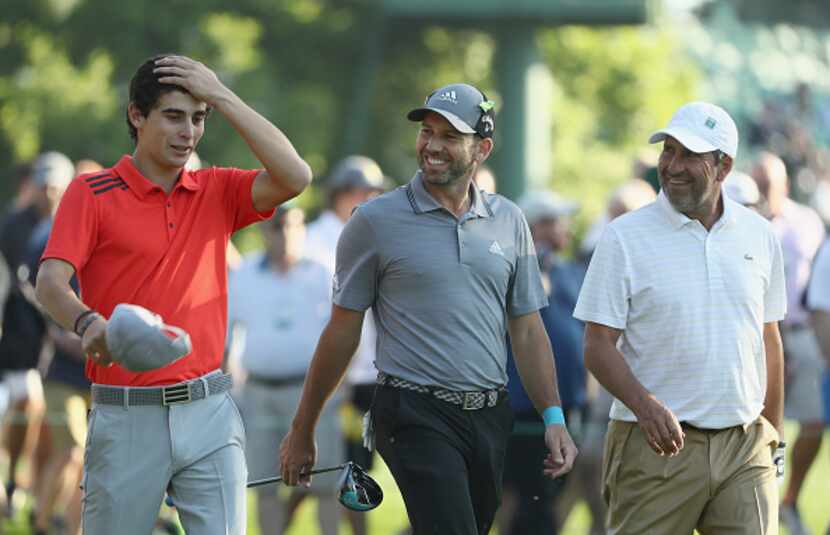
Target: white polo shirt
283, 315
692, 306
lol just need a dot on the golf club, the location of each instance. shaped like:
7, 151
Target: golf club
357, 490
278, 479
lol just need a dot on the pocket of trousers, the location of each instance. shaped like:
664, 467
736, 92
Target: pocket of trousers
615, 440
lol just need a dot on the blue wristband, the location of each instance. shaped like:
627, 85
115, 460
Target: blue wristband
553, 416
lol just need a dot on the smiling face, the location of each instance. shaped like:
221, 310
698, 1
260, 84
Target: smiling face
444, 154
690, 180
168, 135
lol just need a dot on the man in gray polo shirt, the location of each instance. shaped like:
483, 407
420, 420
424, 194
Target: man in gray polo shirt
448, 270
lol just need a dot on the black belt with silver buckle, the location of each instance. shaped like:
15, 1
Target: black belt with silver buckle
469, 401
163, 395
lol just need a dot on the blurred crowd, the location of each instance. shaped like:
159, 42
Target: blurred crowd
280, 299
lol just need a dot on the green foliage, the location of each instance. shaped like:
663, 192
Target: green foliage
614, 86
333, 74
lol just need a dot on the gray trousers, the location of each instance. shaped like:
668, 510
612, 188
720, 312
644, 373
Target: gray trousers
194, 452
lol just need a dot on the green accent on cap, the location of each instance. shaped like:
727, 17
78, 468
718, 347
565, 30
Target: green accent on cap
487, 105
710, 123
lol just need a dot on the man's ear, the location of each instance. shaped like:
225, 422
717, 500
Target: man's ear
135, 115
485, 147
725, 167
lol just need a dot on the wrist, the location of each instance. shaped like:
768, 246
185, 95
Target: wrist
85, 320
553, 415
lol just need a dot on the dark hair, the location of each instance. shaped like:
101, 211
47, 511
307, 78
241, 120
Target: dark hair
145, 90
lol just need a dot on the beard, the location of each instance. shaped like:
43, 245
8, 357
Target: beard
456, 170
687, 199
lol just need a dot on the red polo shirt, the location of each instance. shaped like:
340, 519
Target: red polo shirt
129, 242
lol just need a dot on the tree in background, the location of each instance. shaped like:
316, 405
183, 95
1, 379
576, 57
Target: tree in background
65, 65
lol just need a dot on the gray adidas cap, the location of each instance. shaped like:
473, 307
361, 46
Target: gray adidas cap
464, 106
138, 339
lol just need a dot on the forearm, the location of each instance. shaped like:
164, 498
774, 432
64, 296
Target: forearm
59, 300
609, 368
534, 362
272, 148
331, 359
774, 399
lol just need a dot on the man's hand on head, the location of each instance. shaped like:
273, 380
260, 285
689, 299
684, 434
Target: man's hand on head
195, 77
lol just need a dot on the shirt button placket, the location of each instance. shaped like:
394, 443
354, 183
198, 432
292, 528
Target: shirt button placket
459, 237
168, 212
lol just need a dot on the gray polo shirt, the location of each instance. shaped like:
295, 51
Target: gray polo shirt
441, 288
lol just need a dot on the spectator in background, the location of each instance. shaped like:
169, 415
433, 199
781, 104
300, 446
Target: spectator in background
585, 481
353, 181
23, 326
66, 392
818, 303
528, 505
279, 302
801, 232
741, 188
485, 179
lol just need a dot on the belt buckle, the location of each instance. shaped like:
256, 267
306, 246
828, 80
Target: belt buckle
176, 394
469, 401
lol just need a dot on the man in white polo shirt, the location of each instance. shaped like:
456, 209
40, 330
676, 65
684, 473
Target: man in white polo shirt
682, 302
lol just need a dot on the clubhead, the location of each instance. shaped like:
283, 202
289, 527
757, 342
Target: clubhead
358, 491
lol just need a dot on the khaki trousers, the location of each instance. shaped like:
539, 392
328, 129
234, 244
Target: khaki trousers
721, 483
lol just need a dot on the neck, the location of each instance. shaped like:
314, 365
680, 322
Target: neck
708, 214
282, 263
162, 176
454, 197
342, 212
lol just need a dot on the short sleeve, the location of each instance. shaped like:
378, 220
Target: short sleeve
605, 293
75, 230
525, 293
238, 193
775, 299
354, 284
818, 291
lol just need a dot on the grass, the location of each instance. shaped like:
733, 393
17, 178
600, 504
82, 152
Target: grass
390, 517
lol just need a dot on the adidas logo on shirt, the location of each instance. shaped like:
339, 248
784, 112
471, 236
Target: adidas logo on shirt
495, 248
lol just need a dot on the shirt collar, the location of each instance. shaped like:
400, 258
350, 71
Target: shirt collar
422, 201
141, 185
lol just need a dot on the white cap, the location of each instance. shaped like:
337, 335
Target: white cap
542, 204
701, 127
53, 169
741, 188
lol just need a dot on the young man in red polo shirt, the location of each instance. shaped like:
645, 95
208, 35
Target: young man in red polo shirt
148, 232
